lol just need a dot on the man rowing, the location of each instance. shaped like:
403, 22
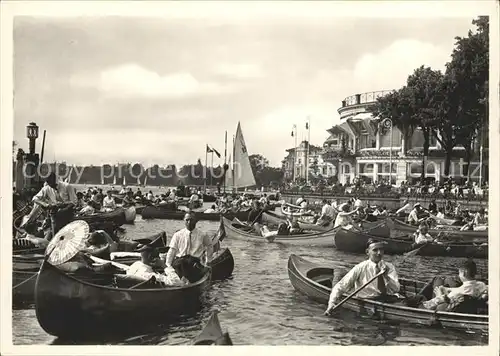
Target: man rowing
189, 243
55, 194
384, 288
327, 214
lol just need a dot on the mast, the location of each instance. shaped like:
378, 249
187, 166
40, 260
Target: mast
225, 161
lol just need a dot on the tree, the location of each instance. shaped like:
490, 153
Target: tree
396, 107
466, 88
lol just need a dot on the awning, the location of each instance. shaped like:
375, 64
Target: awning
364, 121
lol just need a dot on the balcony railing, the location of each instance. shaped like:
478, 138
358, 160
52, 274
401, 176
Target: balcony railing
364, 98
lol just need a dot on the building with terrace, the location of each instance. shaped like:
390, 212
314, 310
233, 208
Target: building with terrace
318, 168
360, 146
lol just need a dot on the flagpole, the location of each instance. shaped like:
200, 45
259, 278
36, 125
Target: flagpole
212, 167
294, 153
233, 171
206, 158
308, 145
225, 162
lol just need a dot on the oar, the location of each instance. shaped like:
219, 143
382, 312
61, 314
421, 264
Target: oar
413, 252
329, 312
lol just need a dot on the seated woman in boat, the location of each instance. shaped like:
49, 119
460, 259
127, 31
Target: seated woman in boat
80, 203
480, 219
384, 288
189, 244
211, 210
108, 203
194, 201
422, 235
344, 217
448, 299
440, 213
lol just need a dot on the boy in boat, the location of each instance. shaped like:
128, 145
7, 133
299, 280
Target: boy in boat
108, 203
422, 235
448, 299
384, 288
189, 244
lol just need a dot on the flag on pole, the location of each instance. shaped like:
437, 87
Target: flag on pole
209, 150
307, 126
292, 133
216, 152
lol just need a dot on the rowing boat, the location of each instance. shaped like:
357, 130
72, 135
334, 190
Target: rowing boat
315, 282
323, 239
397, 225
212, 333
117, 217
355, 242
153, 212
68, 307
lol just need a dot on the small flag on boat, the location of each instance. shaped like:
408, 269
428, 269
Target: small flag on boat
220, 234
216, 152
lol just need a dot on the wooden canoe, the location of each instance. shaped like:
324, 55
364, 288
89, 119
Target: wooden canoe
153, 212
117, 217
212, 334
355, 242
315, 282
323, 239
378, 227
399, 226
71, 308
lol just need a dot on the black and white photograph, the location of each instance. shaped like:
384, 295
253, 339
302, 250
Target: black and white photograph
249, 173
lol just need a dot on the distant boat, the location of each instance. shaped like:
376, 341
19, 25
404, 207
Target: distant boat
124, 181
242, 174
145, 180
114, 180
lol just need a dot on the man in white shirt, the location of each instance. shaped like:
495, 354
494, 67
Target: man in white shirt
405, 209
108, 203
55, 194
190, 241
422, 235
413, 216
327, 213
384, 288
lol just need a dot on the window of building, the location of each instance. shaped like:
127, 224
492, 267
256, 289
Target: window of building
366, 168
334, 142
346, 169
384, 168
300, 161
385, 178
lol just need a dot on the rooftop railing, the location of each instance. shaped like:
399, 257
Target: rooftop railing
364, 98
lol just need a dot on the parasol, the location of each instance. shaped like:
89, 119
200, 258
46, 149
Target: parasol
67, 242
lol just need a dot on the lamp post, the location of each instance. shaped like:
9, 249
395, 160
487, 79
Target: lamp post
31, 157
387, 123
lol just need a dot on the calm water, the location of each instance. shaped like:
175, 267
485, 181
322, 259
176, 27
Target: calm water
259, 306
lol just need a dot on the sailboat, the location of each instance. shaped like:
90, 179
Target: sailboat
124, 181
240, 175
68, 178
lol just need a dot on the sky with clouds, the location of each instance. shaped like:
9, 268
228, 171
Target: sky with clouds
115, 89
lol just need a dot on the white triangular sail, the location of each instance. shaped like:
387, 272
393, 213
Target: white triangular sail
124, 182
146, 180
114, 180
242, 170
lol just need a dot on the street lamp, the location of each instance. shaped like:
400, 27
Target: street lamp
32, 135
387, 123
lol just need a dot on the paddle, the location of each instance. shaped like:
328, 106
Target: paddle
103, 261
406, 255
329, 312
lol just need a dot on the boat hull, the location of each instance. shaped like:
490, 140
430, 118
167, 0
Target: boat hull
152, 212
303, 275
70, 308
322, 239
355, 242
116, 217
401, 227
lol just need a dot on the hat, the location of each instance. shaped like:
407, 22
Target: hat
151, 243
416, 204
371, 243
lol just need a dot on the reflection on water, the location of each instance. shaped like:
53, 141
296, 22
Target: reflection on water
259, 306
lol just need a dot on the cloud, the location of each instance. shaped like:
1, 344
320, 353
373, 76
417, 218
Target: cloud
389, 68
133, 80
239, 71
